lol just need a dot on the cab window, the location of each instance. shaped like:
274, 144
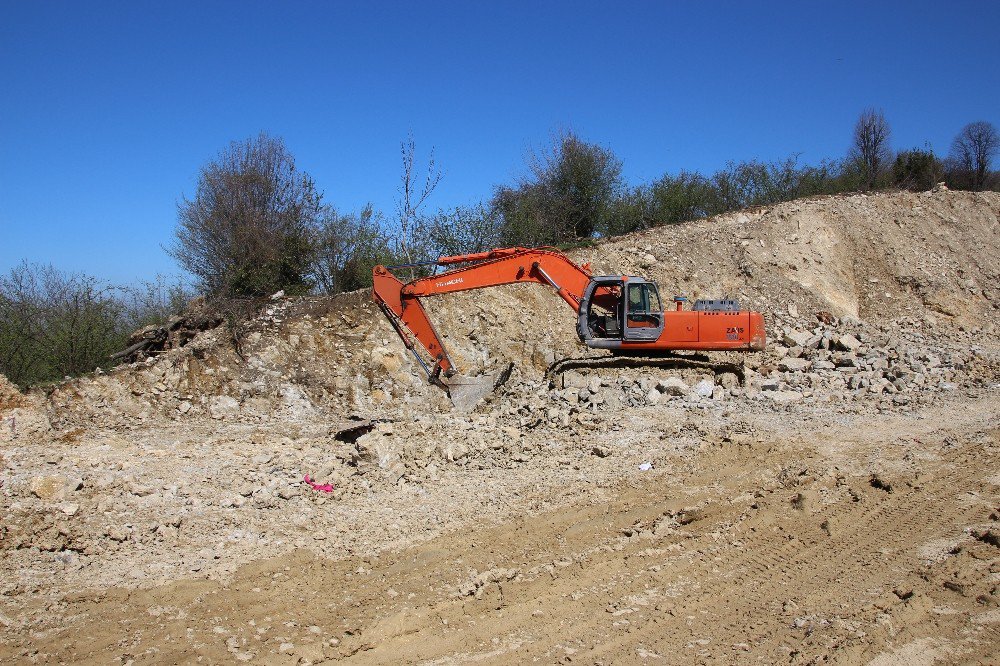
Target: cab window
642, 298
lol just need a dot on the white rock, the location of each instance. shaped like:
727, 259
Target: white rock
794, 338
672, 386
704, 388
223, 406
794, 364
848, 342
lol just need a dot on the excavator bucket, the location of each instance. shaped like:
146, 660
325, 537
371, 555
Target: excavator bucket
467, 392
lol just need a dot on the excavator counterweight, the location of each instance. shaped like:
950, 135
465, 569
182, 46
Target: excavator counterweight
620, 313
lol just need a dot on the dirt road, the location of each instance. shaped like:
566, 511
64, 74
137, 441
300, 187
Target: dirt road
868, 540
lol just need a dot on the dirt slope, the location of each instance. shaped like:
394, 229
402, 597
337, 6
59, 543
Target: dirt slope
834, 499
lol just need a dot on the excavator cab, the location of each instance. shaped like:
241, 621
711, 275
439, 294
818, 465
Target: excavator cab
617, 309
644, 314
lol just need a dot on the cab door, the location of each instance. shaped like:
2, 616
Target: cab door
643, 312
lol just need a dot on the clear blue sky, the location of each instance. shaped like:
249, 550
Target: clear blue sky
107, 110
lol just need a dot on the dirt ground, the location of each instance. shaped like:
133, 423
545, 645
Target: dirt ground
855, 540
835, 499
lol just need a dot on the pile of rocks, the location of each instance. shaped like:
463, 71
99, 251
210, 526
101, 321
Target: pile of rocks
890, 364
838, 360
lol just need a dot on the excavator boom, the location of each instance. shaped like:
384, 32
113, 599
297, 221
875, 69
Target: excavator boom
401, 302
619, 313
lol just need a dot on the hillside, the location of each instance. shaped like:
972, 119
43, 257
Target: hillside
826, 498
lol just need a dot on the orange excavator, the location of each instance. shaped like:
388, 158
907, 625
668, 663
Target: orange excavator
620, 313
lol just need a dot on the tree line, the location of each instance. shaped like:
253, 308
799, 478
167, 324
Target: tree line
257, 224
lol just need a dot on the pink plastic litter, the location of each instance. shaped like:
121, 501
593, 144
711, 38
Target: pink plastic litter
322, 487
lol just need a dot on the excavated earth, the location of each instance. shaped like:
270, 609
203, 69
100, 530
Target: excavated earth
834, 499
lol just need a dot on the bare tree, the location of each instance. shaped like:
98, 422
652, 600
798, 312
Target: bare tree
871, 150
973, 151
412, 197
249, 229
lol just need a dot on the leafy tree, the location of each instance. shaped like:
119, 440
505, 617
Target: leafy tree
972, 152
54, 324
916, 170
569, 194
870, 150
249, 229
686, 196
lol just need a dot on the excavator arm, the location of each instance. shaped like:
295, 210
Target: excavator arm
401, 302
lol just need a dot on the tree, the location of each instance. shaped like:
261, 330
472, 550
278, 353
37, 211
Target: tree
347, 248
249, 229
916, 170
54, 324
973, 151
410, 240
569, 194
464, 230
871, 150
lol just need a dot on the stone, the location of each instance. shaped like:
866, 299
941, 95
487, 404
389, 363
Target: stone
653, 397
602, 451
119, 533
223, 406
672, 386
727, 380
768, 384
289, 492
794, 364
848, 342
794, 338
704, 388
572, 379
49, 488
783, 397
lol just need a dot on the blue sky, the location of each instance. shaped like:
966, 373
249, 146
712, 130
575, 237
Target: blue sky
107, 110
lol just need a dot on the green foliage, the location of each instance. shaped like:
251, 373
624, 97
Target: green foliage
348, 247
570, 193
55, 324
916, 170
